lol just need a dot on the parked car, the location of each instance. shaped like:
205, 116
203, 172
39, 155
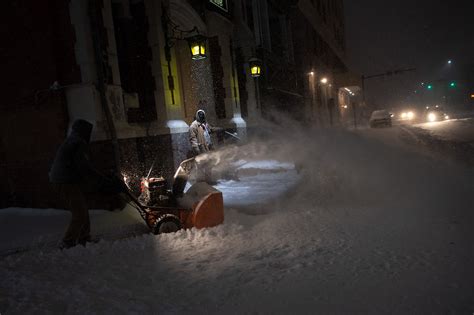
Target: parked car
380, 118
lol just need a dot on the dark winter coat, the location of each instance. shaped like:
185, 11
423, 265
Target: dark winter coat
72, 165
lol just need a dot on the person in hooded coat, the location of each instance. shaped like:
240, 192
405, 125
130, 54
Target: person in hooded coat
72, 174
200, 139
200, 134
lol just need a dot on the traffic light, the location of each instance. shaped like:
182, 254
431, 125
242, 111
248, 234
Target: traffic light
452, 84
429, 87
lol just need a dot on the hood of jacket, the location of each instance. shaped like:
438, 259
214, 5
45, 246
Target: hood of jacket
197, 115
82, 129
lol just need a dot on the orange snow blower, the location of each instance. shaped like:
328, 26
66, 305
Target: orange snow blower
166, 211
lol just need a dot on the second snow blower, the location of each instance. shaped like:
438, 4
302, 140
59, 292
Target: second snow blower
166, 211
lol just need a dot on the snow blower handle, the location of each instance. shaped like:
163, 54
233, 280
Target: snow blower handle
233, 135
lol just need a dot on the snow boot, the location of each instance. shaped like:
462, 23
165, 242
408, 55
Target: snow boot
66, 245
92, 240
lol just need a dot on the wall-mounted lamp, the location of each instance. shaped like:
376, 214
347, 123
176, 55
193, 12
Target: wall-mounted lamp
197, 45
173, 33
255, 66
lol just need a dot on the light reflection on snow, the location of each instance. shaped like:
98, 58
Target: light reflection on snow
268, 164
261, 188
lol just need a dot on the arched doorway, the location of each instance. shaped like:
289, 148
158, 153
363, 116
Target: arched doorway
195, 76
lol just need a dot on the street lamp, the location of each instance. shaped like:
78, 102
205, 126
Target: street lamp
197, 45
173, 33
255, 66
324, 80
450, 61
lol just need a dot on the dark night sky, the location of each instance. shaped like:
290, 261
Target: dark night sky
385, 35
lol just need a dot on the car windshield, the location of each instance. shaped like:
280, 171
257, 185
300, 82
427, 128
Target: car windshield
380, 114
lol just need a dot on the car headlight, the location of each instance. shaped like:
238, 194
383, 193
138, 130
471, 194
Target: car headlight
403, 115
410, 115
432, 117
446, 117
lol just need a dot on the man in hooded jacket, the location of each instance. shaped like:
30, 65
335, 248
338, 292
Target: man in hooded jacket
200, 139
200, 134
71, 173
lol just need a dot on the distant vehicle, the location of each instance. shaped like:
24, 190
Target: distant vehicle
407, 115
436, 113
380, 118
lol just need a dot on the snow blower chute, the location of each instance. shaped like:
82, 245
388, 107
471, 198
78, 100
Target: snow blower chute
166, 211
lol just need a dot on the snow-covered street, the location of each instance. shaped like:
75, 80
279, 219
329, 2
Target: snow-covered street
359, 226
461, 130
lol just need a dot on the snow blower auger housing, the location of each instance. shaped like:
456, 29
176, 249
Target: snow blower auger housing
166, 211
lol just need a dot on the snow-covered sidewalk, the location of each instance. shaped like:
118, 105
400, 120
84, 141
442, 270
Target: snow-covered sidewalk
24, 229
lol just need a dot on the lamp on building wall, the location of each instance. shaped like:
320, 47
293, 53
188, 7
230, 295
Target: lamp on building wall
172, 33
197, 45
255, 66
197, 42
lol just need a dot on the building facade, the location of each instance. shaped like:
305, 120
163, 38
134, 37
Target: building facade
126, 66
302, 45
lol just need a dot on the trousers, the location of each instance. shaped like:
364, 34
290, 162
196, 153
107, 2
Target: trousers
79, 226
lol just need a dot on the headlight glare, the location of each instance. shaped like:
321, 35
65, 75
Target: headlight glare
432, 117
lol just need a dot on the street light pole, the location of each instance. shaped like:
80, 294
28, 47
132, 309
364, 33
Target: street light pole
354, 113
